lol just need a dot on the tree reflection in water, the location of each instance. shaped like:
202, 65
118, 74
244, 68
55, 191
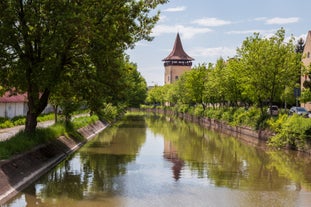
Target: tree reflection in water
110, 168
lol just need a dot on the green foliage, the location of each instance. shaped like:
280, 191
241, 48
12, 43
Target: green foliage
110, 113
23, 142
305, 95
84, 121
156, 95
20, 120
135, 87
70, 50
268, 67
6, 124
213, 113
198, 110
293, 131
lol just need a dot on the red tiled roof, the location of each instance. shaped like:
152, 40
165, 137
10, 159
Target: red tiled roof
178, 52
8, 97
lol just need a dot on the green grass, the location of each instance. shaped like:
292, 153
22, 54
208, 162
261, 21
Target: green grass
23, 142
21, 120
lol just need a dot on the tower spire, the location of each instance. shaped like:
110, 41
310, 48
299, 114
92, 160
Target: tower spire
178, 53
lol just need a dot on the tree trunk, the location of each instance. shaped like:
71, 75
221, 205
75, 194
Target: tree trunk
34, 110
31, 122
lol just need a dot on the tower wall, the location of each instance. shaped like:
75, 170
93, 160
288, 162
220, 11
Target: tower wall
306, 60
173, 72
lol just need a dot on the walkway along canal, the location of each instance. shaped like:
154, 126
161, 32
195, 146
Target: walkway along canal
147, 160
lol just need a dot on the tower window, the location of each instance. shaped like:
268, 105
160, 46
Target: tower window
308, 55
176, 77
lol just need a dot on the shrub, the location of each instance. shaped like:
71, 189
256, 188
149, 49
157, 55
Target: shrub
6, 124
198, 110
292, 131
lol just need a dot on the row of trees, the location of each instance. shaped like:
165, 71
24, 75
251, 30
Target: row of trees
73, 52
264, 71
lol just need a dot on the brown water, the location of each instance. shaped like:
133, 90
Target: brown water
152, 161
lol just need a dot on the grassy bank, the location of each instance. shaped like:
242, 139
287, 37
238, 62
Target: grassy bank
23, 142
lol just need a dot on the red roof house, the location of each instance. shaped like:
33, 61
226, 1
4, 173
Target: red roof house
13, 104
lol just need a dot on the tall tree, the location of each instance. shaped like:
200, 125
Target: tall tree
42, 42
268, 66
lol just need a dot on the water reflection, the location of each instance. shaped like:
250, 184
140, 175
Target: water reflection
156, 161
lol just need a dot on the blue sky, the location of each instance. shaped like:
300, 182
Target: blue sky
210, 29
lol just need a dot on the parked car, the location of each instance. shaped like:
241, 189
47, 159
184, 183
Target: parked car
300, 111
273, 110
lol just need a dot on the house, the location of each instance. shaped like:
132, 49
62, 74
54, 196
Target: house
306, 60
13, 104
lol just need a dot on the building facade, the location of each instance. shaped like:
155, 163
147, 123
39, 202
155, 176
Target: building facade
306, 60
176, 63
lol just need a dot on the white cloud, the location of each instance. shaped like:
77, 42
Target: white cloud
278, 20
261, 32
211, 22
175, 9
260, 18
213, 53
186, 32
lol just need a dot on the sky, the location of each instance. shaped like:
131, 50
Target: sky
213, 29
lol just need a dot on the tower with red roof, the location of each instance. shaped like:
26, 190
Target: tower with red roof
176, 63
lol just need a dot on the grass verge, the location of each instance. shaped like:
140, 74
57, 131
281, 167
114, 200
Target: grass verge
23, 142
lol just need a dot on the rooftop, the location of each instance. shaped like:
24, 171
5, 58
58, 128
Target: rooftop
178, 52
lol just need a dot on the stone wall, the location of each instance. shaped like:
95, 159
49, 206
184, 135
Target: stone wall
247, 134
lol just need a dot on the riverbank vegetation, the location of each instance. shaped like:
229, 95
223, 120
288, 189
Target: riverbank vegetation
23, 141
239, 91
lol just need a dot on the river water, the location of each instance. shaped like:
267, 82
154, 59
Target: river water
149, 161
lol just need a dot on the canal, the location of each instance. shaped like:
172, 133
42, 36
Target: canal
147, 160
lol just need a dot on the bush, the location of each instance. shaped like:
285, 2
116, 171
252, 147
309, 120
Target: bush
6, 124
21, 120
291, 131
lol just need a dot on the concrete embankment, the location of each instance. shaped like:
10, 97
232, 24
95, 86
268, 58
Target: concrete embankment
20, 171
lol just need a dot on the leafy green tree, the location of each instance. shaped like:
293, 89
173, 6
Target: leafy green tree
268, 66
41, 40
156, 95
195, 83
214, 90
232, 83
135, 87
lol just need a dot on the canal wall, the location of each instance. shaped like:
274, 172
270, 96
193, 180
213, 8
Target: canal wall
22, 170
254, 137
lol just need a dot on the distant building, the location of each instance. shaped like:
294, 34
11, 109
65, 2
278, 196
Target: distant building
306, 60
176, 63
14, 104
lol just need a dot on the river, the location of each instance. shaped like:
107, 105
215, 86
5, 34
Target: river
146, 160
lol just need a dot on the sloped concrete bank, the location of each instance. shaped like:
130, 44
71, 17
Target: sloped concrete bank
20, 171
254, 137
